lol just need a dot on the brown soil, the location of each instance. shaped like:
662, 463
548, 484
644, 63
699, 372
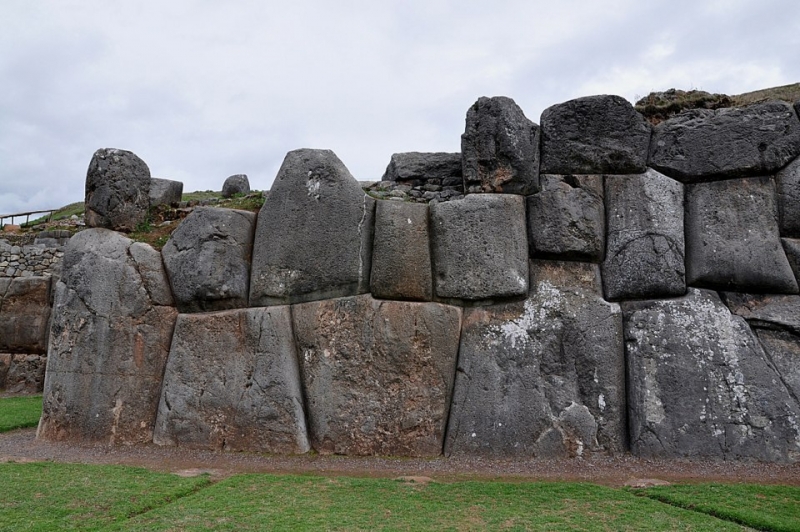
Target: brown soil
22, 446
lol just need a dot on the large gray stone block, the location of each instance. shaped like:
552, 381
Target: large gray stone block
701, 386
235, 184
150, 266
208, 258
401, 254
314, 233
417, 168
566, 219
732, 238
783, 348
702, 144
25, 374
24, 314
594, 135
108, 346
165, 192
762, 310
117, 190
480, 247
500, 148
645, 237
232, 383
544, 377
378, 375
792, 248
788, 183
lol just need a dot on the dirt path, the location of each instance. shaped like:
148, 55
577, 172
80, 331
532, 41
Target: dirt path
22, 446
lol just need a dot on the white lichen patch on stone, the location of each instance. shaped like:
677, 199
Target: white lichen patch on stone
653, 407
536, 314
312, 185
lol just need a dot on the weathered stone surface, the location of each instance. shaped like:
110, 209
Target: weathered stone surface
25, 374
480, 247
108, 346
645, 241
500, 148
566, 219
700, 384
207, 259
761, 310
788, 183
792, 248
401, 253
235, 184
702, 144
150, 266
232, 382
783, 348
314, 233
544, 377
165, 191
416, 168
732, 240
24, 314
594, 135
377, 375
5, 362
117, 190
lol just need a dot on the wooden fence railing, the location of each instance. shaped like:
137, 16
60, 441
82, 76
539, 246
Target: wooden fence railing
27, 215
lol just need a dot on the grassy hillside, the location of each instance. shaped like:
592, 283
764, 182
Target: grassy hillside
659, 106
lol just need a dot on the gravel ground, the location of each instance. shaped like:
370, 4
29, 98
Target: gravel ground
22, 446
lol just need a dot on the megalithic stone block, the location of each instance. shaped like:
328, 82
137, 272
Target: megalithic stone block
378, 375
208, 258
165, 192
543, 377
24, 314
401, 254
701, 386
500, 148
732, 237
594, 135
235, 184
108, 346
480, 247
314, 233
566, 219
117, 190
788, 184
704, 144
232, 383
645, 247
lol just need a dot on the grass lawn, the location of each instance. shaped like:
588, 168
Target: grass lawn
259, 502
46, 496
20, 412
761, 507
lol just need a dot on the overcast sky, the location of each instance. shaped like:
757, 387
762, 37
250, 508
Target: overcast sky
202, 89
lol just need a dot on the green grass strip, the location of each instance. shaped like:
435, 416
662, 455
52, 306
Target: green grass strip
20, 412
270, 502
773, 508
46, 496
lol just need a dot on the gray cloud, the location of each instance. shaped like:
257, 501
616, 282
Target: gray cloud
201, 90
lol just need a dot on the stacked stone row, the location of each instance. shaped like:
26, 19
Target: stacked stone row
567, 304
29, 261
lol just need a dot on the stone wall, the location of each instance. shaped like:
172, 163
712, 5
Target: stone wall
41, 258
26, 273
589, 284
